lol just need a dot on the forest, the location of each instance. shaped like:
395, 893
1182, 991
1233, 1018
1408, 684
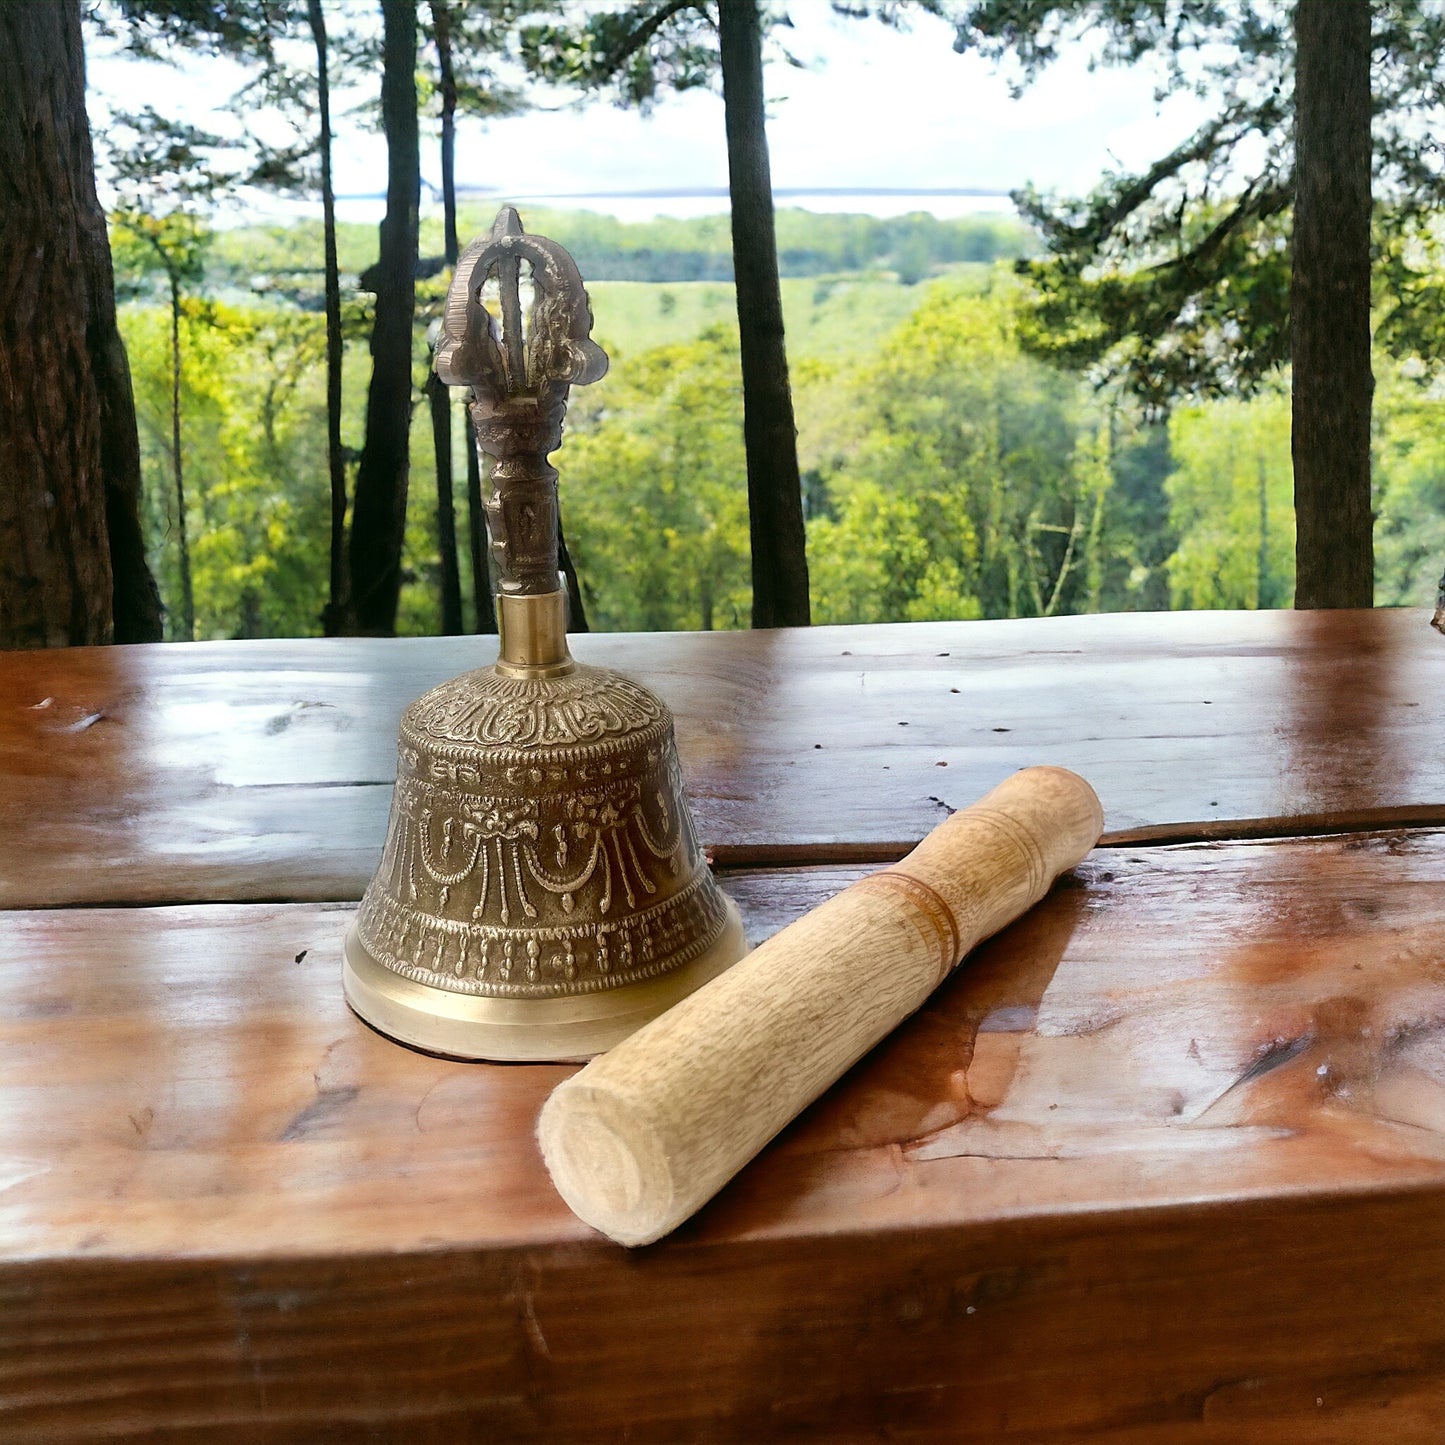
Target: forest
1214, 382
948, 473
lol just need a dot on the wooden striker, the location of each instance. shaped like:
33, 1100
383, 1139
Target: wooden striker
646, 1134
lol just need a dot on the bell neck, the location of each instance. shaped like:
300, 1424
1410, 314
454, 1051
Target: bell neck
533, 628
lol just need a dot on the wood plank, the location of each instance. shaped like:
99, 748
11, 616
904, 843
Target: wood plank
1165, 1161
254, 771
1283, 1321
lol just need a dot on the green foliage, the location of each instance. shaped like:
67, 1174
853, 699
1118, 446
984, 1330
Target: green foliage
151, 252
840, 318
977, 483
1409, 472
657, 496
158, 29
637, 50
948, 472
1231, 501
1230, 496
970, 448
477, 36
1210, 319
1175, 279
287, 258
255, 451
949, 475
168, 178
634, 50
881, 558
700, 249
833, 248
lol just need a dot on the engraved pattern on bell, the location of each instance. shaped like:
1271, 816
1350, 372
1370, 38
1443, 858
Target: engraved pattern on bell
539, 843
482, 707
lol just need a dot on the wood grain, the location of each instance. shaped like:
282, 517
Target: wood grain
255, 771
1281, 1320
1165, 1161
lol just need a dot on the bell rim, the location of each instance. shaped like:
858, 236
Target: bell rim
701, 888
558, 1029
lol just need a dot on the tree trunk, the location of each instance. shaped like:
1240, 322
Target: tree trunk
441, 20
1263, 588
484, 602
775, 494
486, 608
188, 598
334, 616
576, 608
439, 401
59, 360
378, 518
438, 394
135, 599
1330, 306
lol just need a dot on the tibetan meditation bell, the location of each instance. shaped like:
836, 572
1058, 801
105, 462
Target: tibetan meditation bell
541, 894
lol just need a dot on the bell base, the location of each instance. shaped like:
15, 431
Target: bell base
560, 1030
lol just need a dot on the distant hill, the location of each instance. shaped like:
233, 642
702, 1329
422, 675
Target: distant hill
665, 250
809, 244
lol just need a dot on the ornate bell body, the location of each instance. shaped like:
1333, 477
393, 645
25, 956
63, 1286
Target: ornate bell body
541, 893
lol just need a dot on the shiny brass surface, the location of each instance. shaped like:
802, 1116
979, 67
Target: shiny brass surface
564, 1029
533, 635
520, 366
541, 893
540, 851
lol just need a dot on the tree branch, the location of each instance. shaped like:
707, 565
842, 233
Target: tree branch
634, 42
1092, 231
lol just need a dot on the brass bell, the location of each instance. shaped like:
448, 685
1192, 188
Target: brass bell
541, 893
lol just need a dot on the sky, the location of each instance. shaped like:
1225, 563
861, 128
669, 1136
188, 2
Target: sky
874, 108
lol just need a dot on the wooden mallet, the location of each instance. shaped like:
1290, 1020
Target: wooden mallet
649, 1132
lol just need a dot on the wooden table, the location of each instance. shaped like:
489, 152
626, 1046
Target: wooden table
1165, 1161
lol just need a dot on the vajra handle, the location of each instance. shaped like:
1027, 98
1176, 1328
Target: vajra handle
520, 369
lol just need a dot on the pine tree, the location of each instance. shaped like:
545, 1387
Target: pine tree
1238, 252
72, 564
677, 44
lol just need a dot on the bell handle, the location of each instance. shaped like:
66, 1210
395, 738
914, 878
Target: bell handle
520, 367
